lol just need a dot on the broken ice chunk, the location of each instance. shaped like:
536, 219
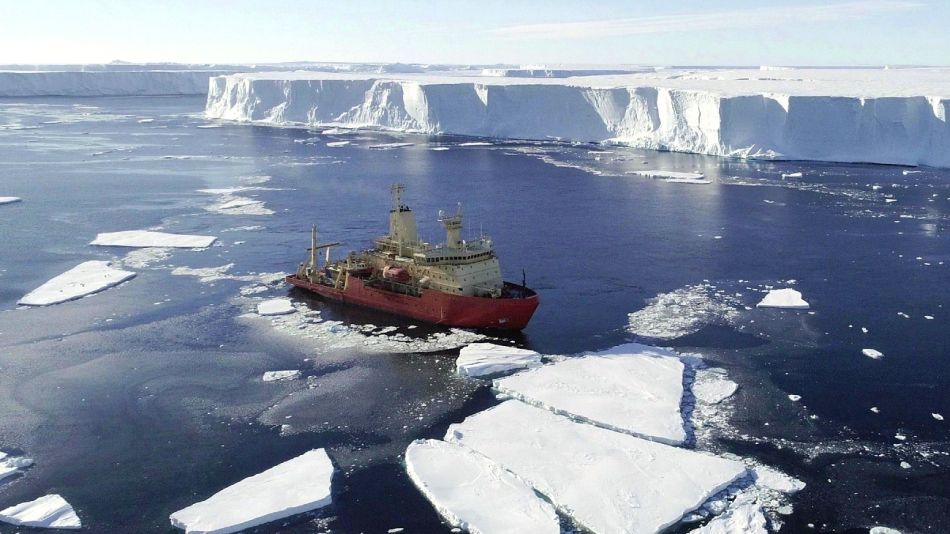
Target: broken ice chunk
783, 298
483, 359
84, 279
49, 511
142, 238
275, 307
276, 376
746, 518
9, 200
872, 353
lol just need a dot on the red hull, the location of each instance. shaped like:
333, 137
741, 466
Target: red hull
433, 306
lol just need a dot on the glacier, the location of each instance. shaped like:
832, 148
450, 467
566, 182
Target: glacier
891, 116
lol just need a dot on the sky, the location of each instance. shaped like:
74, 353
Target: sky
549, 32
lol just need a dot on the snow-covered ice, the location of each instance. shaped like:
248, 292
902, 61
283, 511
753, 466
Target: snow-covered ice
674, 176
474, 493
884, 530
683, 311
774, 479
143, 238
713, 388
607, 481
49, 511
292, 487
337, 144
482, 359
277, 376
632, 388
9, 200
937, 416
783, 298
278, 306
10, 465
745, 518
84, 279
792, 175
872, 353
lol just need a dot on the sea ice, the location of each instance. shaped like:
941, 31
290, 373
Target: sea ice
142, 238
49, 511
783, 298
276, 376
792, 175
9, 200
293, 487
746, 518
774, 479
673, 176
937, 416
872, 353
84, 279
481, 359
794, 398
278, 306
683, 311
712, 388
884, 530
632, 388
10, 465
337, 144
474, 493
607, 481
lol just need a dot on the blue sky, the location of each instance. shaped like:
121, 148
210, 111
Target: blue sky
729, 32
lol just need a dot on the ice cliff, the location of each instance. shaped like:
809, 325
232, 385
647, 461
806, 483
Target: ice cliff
856, 115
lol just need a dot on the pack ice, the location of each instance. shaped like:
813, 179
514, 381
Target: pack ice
607, 481
783, 298
632, 388
482, 359
84, 279
277, 306
745, 518
293, 487
49, 511
473, 493
143, 238
896, 116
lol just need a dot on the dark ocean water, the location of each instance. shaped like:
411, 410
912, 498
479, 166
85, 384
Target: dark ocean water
146, 398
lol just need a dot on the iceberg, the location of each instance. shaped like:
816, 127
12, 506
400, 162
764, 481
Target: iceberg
84, 279
49, 511
290, 488
473, 493
9, 200
896, 116
143, 238
605, 480
745, 518
632, 388
275, 307
481, 359
783, 298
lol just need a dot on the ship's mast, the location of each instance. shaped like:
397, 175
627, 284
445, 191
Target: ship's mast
402, 222
313, 248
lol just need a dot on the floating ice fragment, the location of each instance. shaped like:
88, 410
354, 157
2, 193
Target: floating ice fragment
746, 518
875, 409
145, 121
276, 376
482, 359
49, 511
905, 465
337, 144
293, 487
474, 493
900, 437
883, 530
278, 306
791, 175
937, 416
872, 353
929, 317
673, 176
84, 279
774, 479
9, 200
143, 238
713, 389
783, 298
794, 398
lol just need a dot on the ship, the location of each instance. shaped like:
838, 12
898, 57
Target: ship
457, 283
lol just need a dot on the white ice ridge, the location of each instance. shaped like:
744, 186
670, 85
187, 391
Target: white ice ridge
84, 279
9, 200
144, 238
293, 487
481, 359
783, 298
632, 388
49, 511
474, 493
745, 518
607, 481
896, 116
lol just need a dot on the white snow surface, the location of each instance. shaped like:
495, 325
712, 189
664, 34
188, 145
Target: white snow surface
607, 481
632, 388
293, 487
896, 116
278, 306
144, 238
105, 83
49, 511
783, 298
474, 493
84, 279
872, 353
884, 530
712, 388
774, 479
674, 176
481, 359
9, 200
746, 518
276, 376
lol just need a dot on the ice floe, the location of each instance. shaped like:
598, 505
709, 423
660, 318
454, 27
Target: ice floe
337, 144
776, 480
684, 311
872, 353
483, 359
791, 175
236, 205
49, 511
713, 388
607, 481
674, 176
632, 388
884, 530
937, 416
745, 518
278, 376
143, 238
783, 298
9, 200
474, 493
10, 465
84, 279
293, 487
279, 306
